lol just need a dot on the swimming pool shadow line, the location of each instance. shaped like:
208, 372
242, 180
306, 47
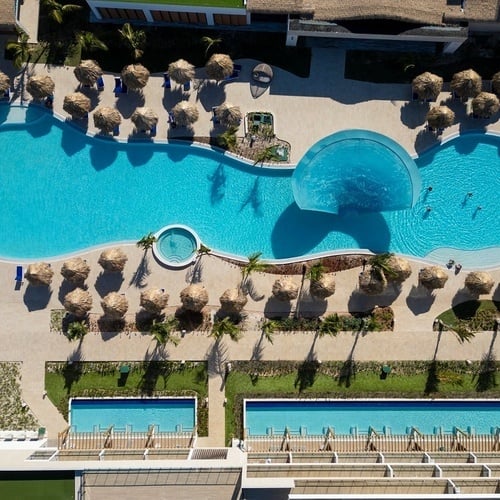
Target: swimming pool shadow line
73, 140
103, 154
139, 152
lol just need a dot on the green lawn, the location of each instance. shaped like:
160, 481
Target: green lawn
477, 314
235, 4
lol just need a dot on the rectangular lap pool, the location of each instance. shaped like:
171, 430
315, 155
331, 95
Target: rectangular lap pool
313, 417
133, 414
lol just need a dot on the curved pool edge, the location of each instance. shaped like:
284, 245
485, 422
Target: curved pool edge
160, 257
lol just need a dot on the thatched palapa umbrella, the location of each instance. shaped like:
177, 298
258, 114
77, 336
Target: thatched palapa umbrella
285, 289
440, 117
135, 76
194, 297
185, 113
485, 105
39, 274
106, 119
228, 114
432, 277
4, 82
233, 300
114, 305
427, 86
75, 270
322, 287
113, 260
40, 86
181, 71
76, 104
219, 66
479, 283
466, 84
78, 302
154, 300
495, 83
144, 118
372, 281
401, 269
87, 72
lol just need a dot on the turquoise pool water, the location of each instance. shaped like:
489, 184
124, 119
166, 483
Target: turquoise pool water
346, 417
62, 192
175, 245
169, 415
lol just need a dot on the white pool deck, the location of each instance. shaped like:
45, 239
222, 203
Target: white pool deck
305, 110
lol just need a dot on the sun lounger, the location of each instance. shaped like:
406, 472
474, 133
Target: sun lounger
152, 132
49, 102
214, 116
100, 83
124, 88
116, 130
187, 86
19, 274
6, 95
118, 85
166, 81
171, 120
235, 74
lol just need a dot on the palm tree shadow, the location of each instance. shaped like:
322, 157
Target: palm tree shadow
195, 271
258, 349
306, 374
217, 357
486, 375
248, 288
72, 372
218, 185
432, 381
348, 369
142, 272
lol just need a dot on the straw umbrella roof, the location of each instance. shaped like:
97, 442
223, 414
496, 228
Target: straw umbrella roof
372, 282
75, 270
427, 86
39, 274
135, 76
114, 305
40, 86
228, 114
233, 300
323, 287
466, 83
181, 71
78, 302
432, 277
285, 289
4, 82
485, 105
144, 118
76, 104
106, 118
194, 297
219, 66
495, 83
479, 283
113, 260
87, 72
440, 117
401, 269
154, 300
185, 113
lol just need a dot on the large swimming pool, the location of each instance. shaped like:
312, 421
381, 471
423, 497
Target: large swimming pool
62, 191
263, 417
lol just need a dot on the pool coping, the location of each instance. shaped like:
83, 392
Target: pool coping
184, 263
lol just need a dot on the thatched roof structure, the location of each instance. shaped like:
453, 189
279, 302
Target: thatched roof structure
135, 76
113, 260
479, 283
4, 82
233, 300
181, 71
144, 118
427, 86
87, 72
219, 66
40, 86
228, 114
75, 270
495, 83
440, 117
323, 287
401, 269
194, 297
78, 302
485, 105
285, 289
185, 113
466, 83
372, 282
39, 274
106, 118
154, 300
76, 104
114, 305
432, 277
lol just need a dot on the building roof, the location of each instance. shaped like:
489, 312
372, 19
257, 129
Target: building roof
7, 16
417, 11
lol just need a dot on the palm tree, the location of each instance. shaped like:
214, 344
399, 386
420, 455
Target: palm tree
146, 242
134, 39
20, 49
223, 327
210, 42
203, 250
381, 262
162, 332
316, 271
254, 264
330, 325
56, 11
266, 155
89, 42
228, 139
268, 328
77, 330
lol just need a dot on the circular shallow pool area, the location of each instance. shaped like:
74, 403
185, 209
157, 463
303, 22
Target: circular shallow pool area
176, 245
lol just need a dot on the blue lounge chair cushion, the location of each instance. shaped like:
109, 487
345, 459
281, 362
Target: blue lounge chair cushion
124, 89
19, 273
152, 132
187, 86
214, 116
116, 130
166, 81
118, 85
100, 83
